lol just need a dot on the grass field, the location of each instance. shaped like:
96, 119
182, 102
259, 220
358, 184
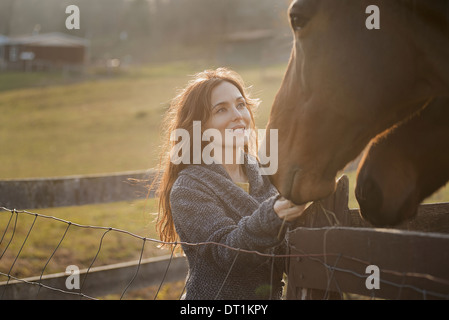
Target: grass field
57, 125
97, 125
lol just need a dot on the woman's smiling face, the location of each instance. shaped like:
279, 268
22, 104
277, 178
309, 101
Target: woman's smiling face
229, 111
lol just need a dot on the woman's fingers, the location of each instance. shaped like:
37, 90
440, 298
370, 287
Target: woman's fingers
282, 204
294, 212
287, 210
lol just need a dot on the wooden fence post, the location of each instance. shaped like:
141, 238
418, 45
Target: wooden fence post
332, 211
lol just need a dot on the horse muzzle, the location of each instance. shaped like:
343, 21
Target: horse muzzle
306, 187
384, 210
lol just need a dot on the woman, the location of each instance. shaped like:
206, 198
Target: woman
226, 203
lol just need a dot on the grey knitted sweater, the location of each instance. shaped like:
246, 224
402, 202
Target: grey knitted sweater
207, 206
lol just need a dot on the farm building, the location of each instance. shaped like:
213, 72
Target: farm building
3, 41
255, 47
43, 52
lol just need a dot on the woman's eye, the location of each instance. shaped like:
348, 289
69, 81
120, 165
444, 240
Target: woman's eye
297, 21
241, 105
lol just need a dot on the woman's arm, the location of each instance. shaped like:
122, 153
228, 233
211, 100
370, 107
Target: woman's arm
200, 217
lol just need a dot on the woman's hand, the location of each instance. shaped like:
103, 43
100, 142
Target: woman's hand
287, 210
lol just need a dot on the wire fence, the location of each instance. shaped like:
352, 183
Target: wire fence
332, 268
12, 226
12, 223
332, 262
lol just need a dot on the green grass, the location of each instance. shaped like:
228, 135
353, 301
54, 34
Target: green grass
88, 127
97, 126
81, 244
19, 80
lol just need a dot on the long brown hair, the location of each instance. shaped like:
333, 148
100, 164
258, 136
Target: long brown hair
193, 103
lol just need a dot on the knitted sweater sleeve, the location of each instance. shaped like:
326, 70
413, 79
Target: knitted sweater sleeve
199, 216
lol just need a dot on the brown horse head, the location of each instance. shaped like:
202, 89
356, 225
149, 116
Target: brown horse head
345, 84
404, 166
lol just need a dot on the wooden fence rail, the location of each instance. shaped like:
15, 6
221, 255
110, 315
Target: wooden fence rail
103, 280
331, 246
73, 190
335, 246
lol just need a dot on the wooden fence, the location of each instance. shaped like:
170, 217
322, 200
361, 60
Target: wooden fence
331, 246
334, 247
80, 190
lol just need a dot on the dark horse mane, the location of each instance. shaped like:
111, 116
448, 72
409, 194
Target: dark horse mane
434, 13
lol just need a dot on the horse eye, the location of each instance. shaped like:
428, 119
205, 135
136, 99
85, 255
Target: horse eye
298, 22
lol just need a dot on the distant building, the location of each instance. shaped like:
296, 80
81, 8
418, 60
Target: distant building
47, 51
244, 47
3, 41
254, 47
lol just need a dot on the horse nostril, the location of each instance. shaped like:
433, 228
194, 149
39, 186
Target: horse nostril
366, 189
369, 197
